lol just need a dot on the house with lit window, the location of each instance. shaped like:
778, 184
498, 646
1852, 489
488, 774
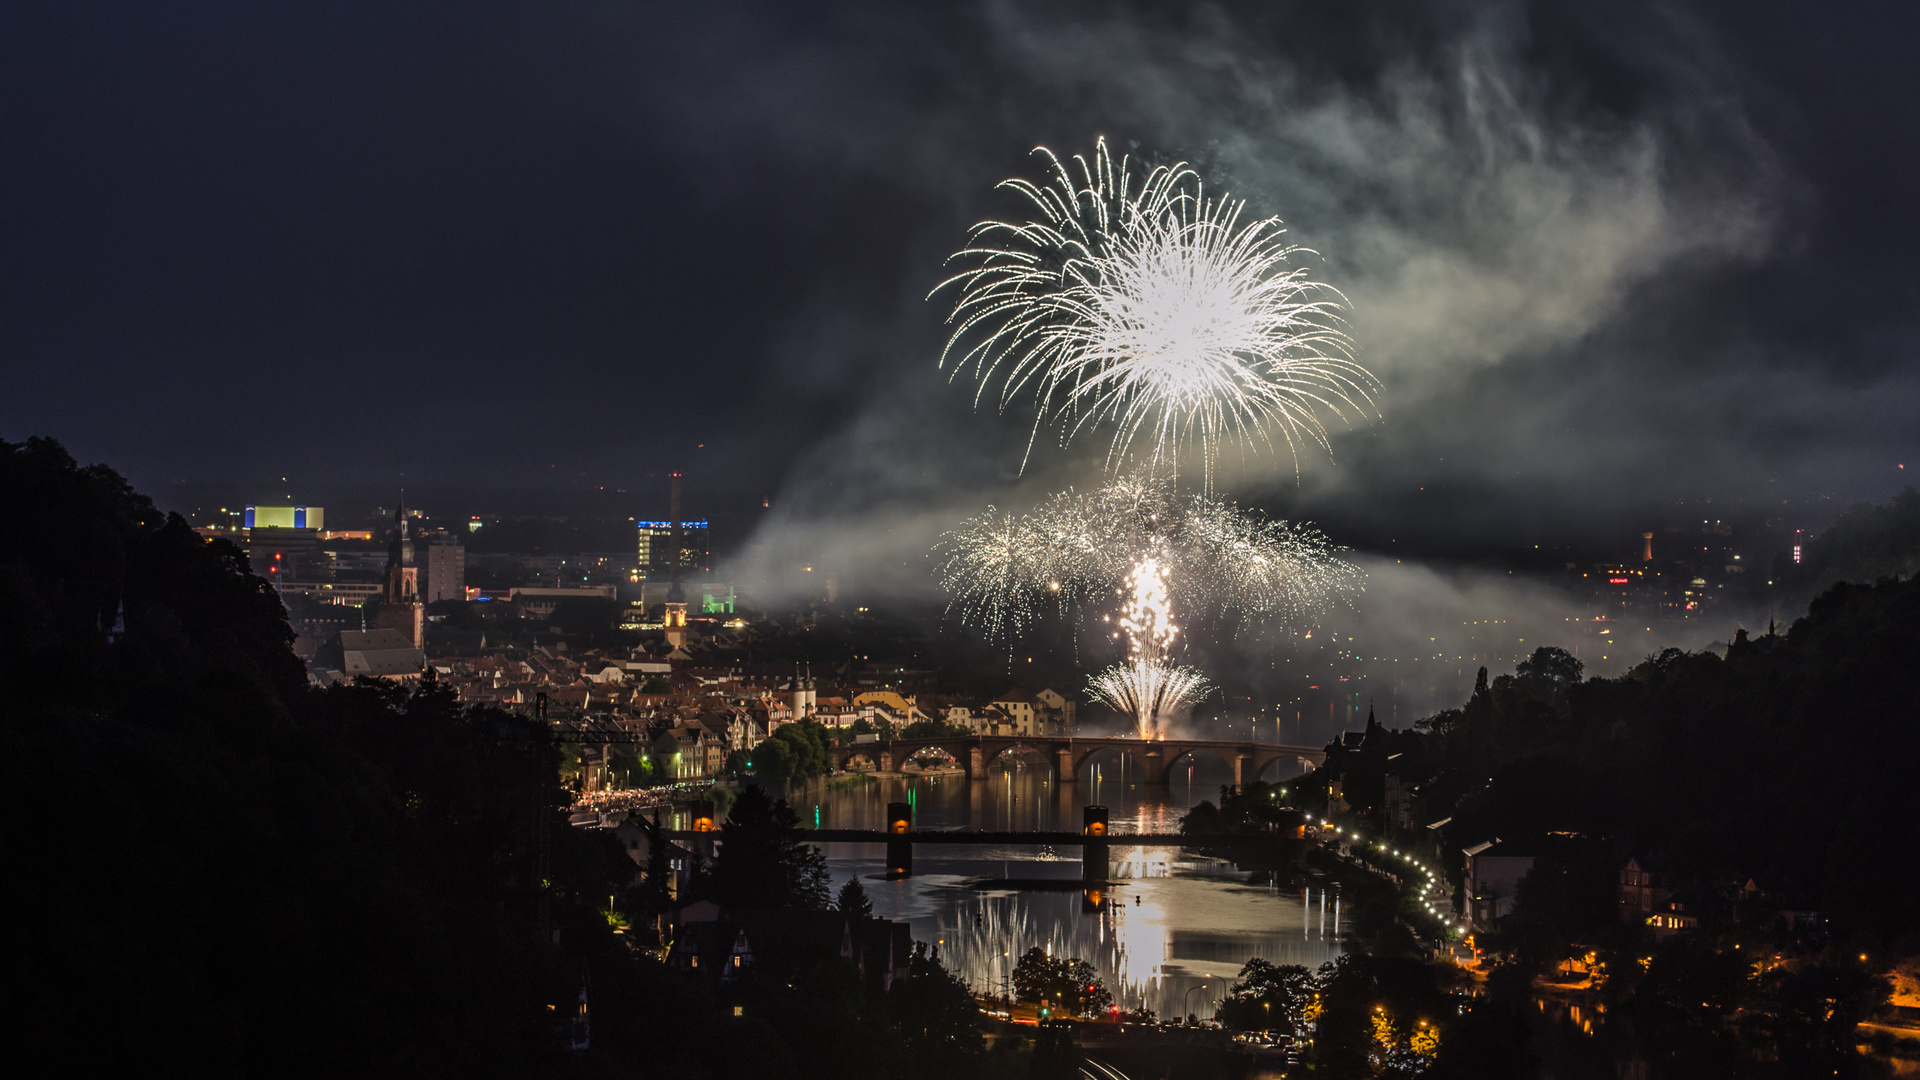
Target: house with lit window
722, 945
1642, 892
1022, 710
1492, 877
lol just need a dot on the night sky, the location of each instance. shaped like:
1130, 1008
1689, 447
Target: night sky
1604, 261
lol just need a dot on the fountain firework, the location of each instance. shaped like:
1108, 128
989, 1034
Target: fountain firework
1148, 686
1220, 561
1153, 307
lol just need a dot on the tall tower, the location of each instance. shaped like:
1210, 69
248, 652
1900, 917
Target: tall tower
676, 615
400, 606
801, 694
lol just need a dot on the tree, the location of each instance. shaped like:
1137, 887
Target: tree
852, 901
1817, 1007
796, 752
630, 770
1256, 806
763, 860
1491, 1041
381, 867
1034, 978
774, 759
656, 891
1268, 997
935, 1015
1865, 543
1548, 675
1369, 1010
1069, 985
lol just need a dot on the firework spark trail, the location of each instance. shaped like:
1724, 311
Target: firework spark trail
1222, 562
1149, 686
991, 571
1154, 308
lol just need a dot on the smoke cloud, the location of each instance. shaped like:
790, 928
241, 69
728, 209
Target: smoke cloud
1507, 244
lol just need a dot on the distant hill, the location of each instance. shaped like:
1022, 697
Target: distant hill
1864, 544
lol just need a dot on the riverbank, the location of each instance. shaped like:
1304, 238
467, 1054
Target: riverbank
642, 798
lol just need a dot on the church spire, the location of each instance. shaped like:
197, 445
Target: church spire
400, 607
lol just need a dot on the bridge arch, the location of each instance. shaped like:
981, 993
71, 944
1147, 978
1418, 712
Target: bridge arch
999, 751
1280, 766
1176, 755
1106, 754
1070, 755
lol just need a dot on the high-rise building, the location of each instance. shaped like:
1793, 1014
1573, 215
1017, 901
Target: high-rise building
282, 542
655, 548
675, 547
442, 556
675, 616
284, 517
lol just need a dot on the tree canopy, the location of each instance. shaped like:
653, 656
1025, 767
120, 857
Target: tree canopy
228, 872
1779, 762
763, 862
1070, 985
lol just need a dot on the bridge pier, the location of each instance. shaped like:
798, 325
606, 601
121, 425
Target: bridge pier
1153, 765
899, 848
976, 764
1241, 763
1094, 863
1063, 765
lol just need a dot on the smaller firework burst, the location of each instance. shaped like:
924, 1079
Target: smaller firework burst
1149, 686
992, 567
1224, 564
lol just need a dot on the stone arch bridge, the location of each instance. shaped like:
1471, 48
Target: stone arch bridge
1157, 758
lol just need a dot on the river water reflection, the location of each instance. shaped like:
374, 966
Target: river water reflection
1169, 935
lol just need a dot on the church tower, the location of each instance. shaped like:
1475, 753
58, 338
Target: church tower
400, 606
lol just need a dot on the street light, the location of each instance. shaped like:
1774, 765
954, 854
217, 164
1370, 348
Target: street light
1189, 994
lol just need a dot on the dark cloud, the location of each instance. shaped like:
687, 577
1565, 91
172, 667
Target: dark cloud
1603, 258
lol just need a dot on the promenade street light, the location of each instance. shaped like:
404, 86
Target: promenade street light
1184, 998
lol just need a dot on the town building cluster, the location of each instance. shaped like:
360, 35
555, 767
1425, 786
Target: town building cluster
676, 703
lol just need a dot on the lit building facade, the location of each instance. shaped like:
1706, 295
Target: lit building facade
654, 554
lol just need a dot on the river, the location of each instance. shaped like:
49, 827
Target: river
1169, 935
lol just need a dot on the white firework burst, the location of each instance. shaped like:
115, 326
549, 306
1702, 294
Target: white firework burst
991, 566
1155, 309
1149, 686
1221, 562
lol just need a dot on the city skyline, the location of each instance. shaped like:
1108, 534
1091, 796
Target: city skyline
1676, 287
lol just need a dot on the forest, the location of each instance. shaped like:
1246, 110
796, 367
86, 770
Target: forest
228, 872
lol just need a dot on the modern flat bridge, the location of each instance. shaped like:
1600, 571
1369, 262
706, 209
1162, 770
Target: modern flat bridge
1156, 758
1094, 841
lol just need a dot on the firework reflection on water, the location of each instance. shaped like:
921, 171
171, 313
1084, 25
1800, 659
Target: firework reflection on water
1169, 924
